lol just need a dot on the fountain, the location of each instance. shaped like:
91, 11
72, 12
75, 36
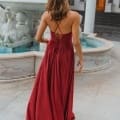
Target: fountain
15, 32
20, 55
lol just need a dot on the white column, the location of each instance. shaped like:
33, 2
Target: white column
90, 16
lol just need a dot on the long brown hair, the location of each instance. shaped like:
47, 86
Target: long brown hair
58, 9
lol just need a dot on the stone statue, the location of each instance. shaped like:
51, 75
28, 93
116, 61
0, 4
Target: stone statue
8, 26
21, 34
15, 30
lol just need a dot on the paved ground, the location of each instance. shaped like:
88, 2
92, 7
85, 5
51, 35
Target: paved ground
97, 95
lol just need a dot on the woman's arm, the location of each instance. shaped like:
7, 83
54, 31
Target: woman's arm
41, 28
76, 39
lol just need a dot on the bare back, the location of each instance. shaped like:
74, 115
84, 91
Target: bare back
65, 25
71, 23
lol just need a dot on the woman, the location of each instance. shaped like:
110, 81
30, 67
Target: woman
52, 94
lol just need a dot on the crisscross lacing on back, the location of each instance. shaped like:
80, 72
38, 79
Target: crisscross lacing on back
57, 35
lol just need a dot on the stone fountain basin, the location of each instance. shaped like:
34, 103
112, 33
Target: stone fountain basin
19, 66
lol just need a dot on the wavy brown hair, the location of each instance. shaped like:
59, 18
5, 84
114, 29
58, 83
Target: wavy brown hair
58, 9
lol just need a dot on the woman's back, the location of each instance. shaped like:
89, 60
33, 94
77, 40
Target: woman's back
63, 26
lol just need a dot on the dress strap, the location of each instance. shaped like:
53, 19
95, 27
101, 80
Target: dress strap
58, 27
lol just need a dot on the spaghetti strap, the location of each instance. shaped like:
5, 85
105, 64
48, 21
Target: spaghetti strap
58, 27
58, 36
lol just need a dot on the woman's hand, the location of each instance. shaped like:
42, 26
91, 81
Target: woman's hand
79, 66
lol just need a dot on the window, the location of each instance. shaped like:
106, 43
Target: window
82, 0
110, 1
71, 2
119, 3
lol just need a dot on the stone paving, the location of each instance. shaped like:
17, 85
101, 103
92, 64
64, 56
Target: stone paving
97, 94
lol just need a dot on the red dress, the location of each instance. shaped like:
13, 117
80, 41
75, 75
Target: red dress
52, 94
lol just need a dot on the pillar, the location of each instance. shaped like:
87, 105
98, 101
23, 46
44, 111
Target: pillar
90, 16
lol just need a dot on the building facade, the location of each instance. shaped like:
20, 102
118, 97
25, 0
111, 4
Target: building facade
111, 6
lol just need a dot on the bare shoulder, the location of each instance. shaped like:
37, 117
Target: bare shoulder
74, 14
45, 15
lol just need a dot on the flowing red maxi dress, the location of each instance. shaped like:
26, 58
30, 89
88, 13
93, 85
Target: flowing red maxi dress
52, 94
